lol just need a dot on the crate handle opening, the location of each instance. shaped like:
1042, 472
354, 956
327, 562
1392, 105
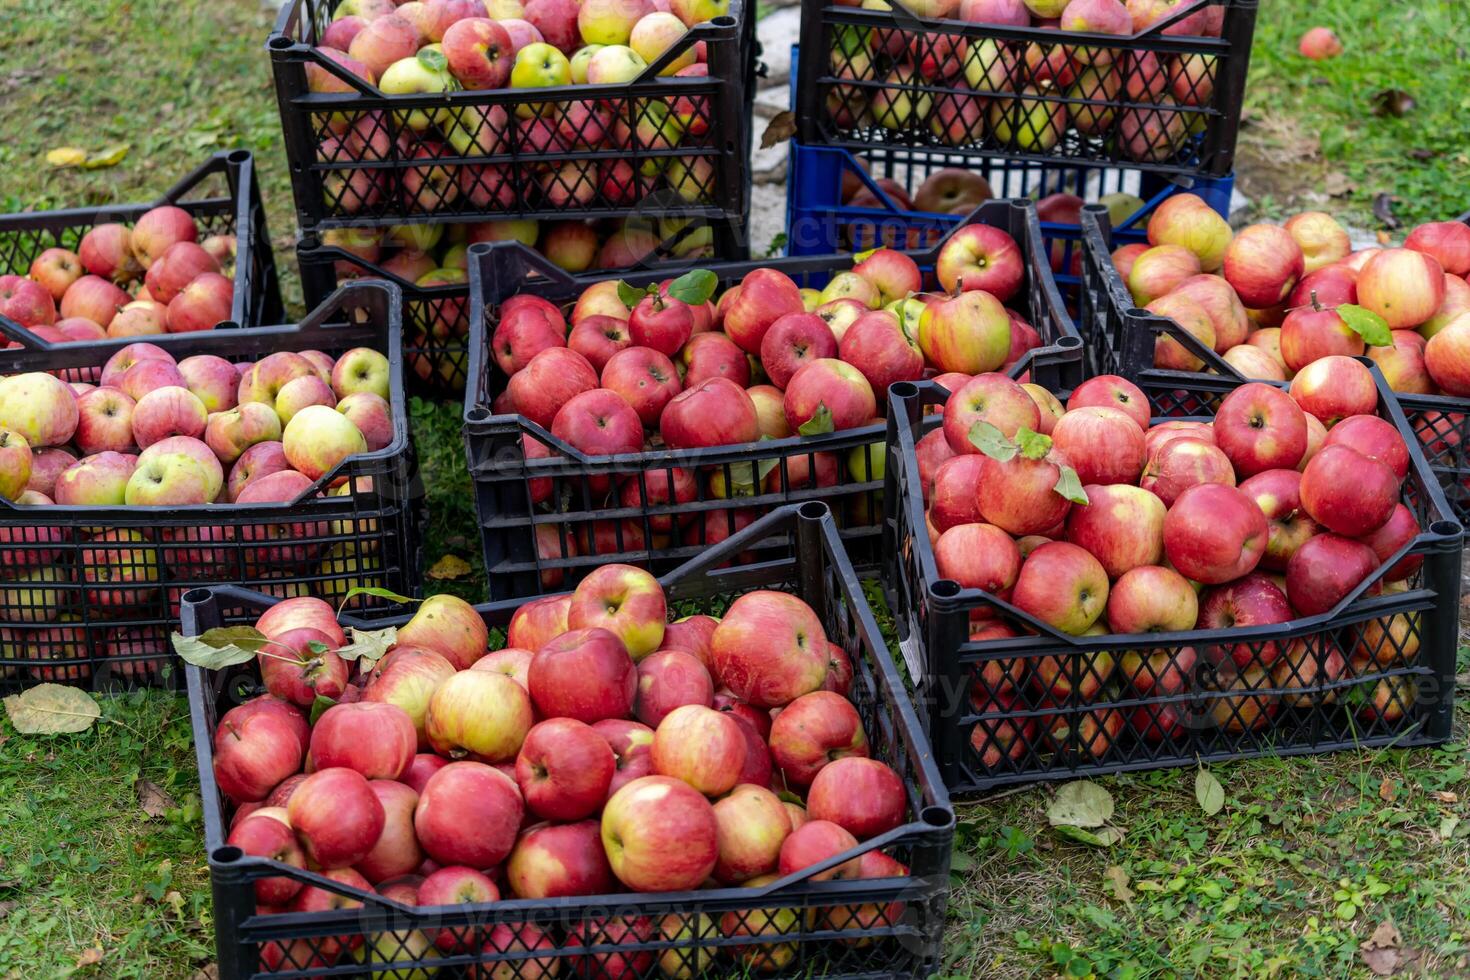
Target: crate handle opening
937, 816
228, 854
1446, 528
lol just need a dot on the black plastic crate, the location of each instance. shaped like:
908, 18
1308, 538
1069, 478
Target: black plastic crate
400, 174
436, 317
985, 737
902, 937
889, 77
224, 199
1120, 339
510, 489
90, 593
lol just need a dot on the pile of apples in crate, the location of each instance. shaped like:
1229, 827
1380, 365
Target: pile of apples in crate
1094, 522
1132, 94
442, 45
153, 278
769, 359
1275, 300
604, 750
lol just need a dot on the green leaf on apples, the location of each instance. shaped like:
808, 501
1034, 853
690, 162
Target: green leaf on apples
319, 706
368, 646
1033, 445
52, 709
1209, 792
864, 256
222, 647
694, 287
1069, 486
1102, 837
376, 592
1366, 324
743, 480
985, 437
629, 295
819, 424
1080, 804
433, 60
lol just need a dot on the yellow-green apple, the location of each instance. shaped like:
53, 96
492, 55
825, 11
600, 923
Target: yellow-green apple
615, 64
1019, 494
713, 412
1278, 494
765, 296
337, 816
610, 22
981, 257
765, 923
969, 333
100, 479
203, 303
850, 285
1063, 586
1097, 90
1335, 387
564, 769
559, 860
316, 440
862, 796
360, 369
693, 12
1447, 355
579, 61
1253, 362
299, 393
478, 714
1122, 526
700, 746
1151, 599
1401, 285
1171, 354
1347, 492
753, 825
548, 381
1153, 134
793, 341
1159, 270
1260, 427
624, 600
669, 679
1254, 600
407, 678
1214, 533
195, 450
657, 32
1456, 303
1103, 444
468, 813
159, 228
104, 422
538, 622
1322, 240
1447, 242
813, 731
1312, 332
978, 556
39, 408
584, 674
106, 251
902, 101
1187, 221
267, 837
660, 835
572, 245
632, 745
1263, 264
1214, 295
769, 649
839, 314
230, 433
815, 842
256, 746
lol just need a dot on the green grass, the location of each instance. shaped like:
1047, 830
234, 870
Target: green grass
1311, 137
1306, 859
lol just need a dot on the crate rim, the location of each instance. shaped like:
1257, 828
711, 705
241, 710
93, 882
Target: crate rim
122, 515
1441, 533
220, 161
935, 817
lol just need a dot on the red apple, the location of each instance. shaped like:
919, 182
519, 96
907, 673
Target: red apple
564, 770
813, 731
1183, 463
769, 649
660, 835
863, 796
375, 739
585, 674
337, 816
1348, 493
1278, 494
1114, 392
560, 861
1254, 600
1214, 533
468, 814
1263, 264
1122, 527
1259, 427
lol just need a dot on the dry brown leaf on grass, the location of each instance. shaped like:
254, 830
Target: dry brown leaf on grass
449, 567
89, 957
1381, 951
51, 709
1444, 796
153, 799
1388, 790
1117, 880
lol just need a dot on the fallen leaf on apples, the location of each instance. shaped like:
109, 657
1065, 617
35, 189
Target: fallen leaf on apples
152, 798
1381, 951
1102, 837
1387, 790
368, 645
1209, 792
51, 709
89, 957
780, 129
319, 705
109, 156
216, 649
1117, 880
66, 156
1080, 804
1393, 102
1366, 324
449, 567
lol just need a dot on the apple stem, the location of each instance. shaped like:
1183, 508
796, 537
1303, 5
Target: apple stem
1316, 306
